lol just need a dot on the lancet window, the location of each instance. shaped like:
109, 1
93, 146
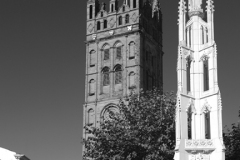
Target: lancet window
206, 74
188, 65
127, 19
105, 76
120, 20
118, 74
90, 116
92, 89
105, 24
134, 3
92, 58
131, 80
131, 50
207, 126
98, 25
106, 54
90, 12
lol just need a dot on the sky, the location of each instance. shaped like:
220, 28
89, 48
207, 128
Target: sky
42, 71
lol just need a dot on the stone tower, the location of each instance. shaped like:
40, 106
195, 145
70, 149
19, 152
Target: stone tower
199, 107
123, 53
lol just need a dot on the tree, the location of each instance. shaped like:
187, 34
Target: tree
232, 142
142, 129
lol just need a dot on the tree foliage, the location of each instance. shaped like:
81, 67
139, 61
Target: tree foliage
232, 142
142, 129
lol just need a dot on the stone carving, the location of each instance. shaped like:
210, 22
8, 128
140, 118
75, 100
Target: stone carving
206, 108
129, 28
111, 23
134, 17
203, 143
90, 28
94, 36
199, 156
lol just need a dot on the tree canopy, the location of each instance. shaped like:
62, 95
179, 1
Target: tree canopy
232, 141
142, 129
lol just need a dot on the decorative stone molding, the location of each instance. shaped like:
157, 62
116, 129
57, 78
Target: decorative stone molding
199, 156
191, 108
90, 28
206, 108
200, 144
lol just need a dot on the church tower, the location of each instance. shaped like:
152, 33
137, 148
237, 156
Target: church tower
199, 109
123, 54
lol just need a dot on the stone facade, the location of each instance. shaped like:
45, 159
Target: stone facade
123, 53
199, 106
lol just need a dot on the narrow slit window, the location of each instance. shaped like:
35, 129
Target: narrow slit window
106, 54
131, 50
118, 75
91, 12
120, 20
105, 24
188, 75
98, 25
92, 87
134, 3
206, 74
106, 78
127, 19
207, 126
119, 52
112, 8
189, 125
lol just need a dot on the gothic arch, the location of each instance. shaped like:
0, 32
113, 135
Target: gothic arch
105, 46
204, 57
117, 43
190, 107
206, 108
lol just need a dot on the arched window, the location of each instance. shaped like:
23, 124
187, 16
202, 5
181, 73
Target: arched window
132, 50
101, 14
120, 20
90, 117
207, 125
118, 74
106, 54
92, 58
205, 74
190, 36
202, 30
189, 123
123, 9
98, 25
92, 89
105, 23
105, 77
112, 8
188, 74
134, 3
90, 12
119, 51
128, 3
127, 19
206, 35
132, 80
